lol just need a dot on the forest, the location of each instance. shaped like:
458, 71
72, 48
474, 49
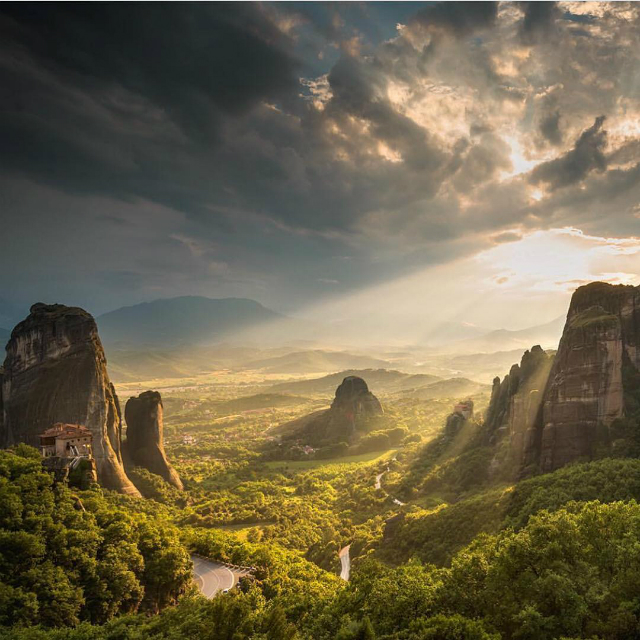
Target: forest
440, 546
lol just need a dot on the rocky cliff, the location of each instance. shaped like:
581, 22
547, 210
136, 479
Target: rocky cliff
584, 402
56, 371
145, 440
515, 408
352, 410
354, 402
597, 355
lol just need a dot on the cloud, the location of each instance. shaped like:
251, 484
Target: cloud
539, 21
194, 61
587, 155
115, 99
550, 127
507, 236
251, 162
458, 18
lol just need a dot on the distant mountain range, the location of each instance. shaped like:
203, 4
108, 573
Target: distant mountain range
547, 335
314, 361
450, 388
183, 320
387, 381
127, 364
382, 380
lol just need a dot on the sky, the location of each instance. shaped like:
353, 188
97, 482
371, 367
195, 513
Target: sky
468, 162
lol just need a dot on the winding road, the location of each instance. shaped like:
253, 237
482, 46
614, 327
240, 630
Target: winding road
345, 559
211, 577
379, 486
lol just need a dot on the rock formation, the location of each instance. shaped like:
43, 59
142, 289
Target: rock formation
570, 408
351, 411
145, 442
598, 353
56, 371
516, 405
354, 402
454, 423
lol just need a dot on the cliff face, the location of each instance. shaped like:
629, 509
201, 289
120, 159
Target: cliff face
56, 371
352, 408
145, 440
586, 390
354, 401
585, 402
515, 409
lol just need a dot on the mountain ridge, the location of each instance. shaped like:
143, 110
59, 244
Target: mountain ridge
182, 320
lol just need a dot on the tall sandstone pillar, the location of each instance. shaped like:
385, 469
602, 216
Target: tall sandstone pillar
145, 436
56, 371
585, 392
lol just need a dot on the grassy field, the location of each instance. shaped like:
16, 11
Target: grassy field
374, 456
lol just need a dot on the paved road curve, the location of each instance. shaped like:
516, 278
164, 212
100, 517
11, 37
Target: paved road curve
345, 561
211, 577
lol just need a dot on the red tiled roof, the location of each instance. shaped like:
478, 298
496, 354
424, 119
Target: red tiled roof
61, 430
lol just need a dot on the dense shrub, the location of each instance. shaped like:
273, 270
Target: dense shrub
66, 558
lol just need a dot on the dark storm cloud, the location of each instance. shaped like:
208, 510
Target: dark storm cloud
539, 20
550, 127
191, 59
587, 155
167, 103
459, 18
235, 149
359, 90
128, 100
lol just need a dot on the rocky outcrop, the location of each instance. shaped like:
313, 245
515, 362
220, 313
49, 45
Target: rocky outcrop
354, 402
352, 410
56, 371
453, 425
585, 402
515, 408
586, 390
145, 440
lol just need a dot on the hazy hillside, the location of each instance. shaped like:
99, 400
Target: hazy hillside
315, 361
257, 402
453, 332
483, 366
379, 380
126, 364
547, 335
451, 388
184, 320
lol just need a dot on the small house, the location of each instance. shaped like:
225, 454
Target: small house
66, 441
465, 409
